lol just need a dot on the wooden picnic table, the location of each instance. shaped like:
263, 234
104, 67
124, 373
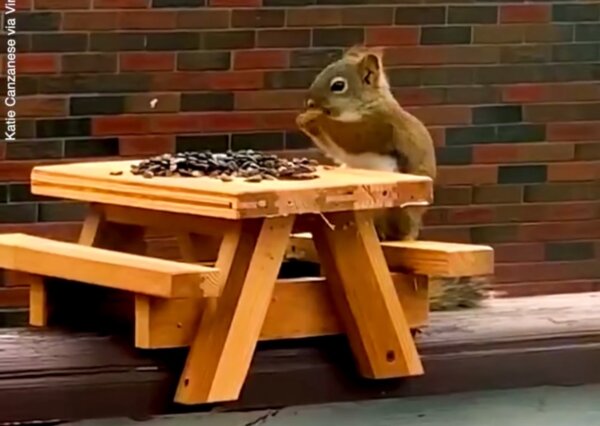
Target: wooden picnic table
236, 296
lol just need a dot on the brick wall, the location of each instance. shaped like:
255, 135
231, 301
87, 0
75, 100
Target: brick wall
510, 92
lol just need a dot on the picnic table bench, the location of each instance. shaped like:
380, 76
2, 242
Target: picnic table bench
221, 304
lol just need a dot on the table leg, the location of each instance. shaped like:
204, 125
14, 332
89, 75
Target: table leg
222, 350
96, 232
364, 295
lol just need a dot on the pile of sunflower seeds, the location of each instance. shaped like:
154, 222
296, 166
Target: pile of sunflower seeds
252, 166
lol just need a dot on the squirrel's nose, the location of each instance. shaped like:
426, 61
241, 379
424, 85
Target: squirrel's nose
310, 103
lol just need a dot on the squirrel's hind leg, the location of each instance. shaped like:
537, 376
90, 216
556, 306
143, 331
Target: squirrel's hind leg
399, 224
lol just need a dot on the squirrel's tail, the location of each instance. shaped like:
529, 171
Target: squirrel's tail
446, 294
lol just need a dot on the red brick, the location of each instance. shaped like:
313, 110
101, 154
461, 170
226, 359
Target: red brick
527, 93
553, 231
574, 171
204, 19
141, 20
147, 61
524, 93
525, 13
471, 214
260, 59
62, 4
541, 288
179, 81
438, 134
515, 153
422, 55
571, 211
419, 95
23, 4
146, 145
235, 3
16, 297
247, 121
177, 123
120, 125
222, 80
495, 154
546, 152
467, 175
452, 234
519, 252
546, 271
442, 115
235, 80
277, 120
90, 20
121, 4
573, 131
546, 212
20, 171
584, 91
42, 107
498, 34
392, 36
270, 100
32, 63
314, 17
223, 122
471, 55
367, 16
63, 231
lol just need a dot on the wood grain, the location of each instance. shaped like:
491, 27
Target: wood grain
363, 293
299, 308
230, 326
139, 274
335, 189
38, 307
431, 258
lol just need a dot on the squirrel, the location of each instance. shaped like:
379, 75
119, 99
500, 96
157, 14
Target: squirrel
352, 116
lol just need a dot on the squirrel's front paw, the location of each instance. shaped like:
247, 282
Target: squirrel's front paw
306, 121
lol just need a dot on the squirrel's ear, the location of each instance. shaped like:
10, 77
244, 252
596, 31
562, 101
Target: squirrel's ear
355, 53
370, 68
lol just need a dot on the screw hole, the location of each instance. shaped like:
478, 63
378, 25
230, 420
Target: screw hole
390, 356
179, 325
186, 382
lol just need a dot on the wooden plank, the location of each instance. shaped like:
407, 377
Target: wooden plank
336, 189
431, 258
139, 274
364, 295
38, 306
94, 220
299, 308
171, 222
224, 344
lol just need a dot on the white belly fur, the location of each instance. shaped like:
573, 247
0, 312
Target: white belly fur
370, 161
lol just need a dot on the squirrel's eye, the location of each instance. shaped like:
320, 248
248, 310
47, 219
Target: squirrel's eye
338, 85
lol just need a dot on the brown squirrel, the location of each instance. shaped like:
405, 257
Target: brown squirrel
352, 117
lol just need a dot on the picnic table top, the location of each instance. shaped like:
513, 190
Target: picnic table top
335, 189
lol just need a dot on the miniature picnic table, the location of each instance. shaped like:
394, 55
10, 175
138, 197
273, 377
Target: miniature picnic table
238, 293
